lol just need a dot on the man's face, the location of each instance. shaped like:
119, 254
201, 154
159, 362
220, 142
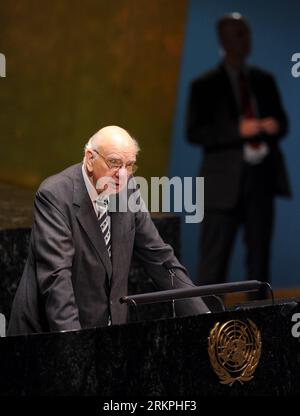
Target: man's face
236, 39
103, 166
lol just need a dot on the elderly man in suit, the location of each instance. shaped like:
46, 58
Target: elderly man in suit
80, 252
235, 114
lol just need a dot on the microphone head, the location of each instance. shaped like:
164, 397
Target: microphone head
168, 265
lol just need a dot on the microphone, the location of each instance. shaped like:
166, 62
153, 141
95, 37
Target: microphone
168, 265
170, 269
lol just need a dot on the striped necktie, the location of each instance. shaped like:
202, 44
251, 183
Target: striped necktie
104, 221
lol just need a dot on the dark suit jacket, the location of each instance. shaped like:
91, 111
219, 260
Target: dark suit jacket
69, 281
212, 121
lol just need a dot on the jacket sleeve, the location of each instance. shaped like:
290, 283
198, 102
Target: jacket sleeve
54, 252
276, 111
151, 250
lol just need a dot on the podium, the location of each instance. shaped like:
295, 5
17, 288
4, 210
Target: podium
153, 357
166, 357
14, 243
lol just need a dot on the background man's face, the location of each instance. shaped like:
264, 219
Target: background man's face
236, 39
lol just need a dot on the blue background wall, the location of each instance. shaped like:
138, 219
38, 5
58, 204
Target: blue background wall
275, 27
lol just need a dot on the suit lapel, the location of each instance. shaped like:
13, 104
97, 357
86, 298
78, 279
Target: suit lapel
117, 219
228, 90
258, 91
88, 220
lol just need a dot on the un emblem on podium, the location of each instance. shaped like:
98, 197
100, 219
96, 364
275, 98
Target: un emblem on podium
234, 349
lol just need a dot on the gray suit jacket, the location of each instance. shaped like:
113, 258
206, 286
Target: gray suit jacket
69, 281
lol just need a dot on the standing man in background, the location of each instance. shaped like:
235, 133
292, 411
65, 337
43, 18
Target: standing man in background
235, 114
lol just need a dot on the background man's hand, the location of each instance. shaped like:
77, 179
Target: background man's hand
249, 127
269, 125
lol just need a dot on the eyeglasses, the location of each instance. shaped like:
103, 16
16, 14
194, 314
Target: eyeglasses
116, 164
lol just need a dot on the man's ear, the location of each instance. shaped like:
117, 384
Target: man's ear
89, 160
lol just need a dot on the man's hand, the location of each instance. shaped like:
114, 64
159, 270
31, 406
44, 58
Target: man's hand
249, 127
269, 125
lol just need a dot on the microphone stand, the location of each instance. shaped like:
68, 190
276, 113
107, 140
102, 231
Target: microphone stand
196, 291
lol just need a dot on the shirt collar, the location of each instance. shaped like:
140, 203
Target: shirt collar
233, 72
93, 194
89, 186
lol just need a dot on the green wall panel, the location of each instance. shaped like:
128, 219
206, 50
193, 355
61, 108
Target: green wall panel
73, 67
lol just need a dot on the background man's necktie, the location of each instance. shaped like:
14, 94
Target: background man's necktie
247, 110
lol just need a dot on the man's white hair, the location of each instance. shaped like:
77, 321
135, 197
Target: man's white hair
99, 137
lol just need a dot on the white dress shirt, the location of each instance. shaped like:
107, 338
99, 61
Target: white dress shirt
94, 196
